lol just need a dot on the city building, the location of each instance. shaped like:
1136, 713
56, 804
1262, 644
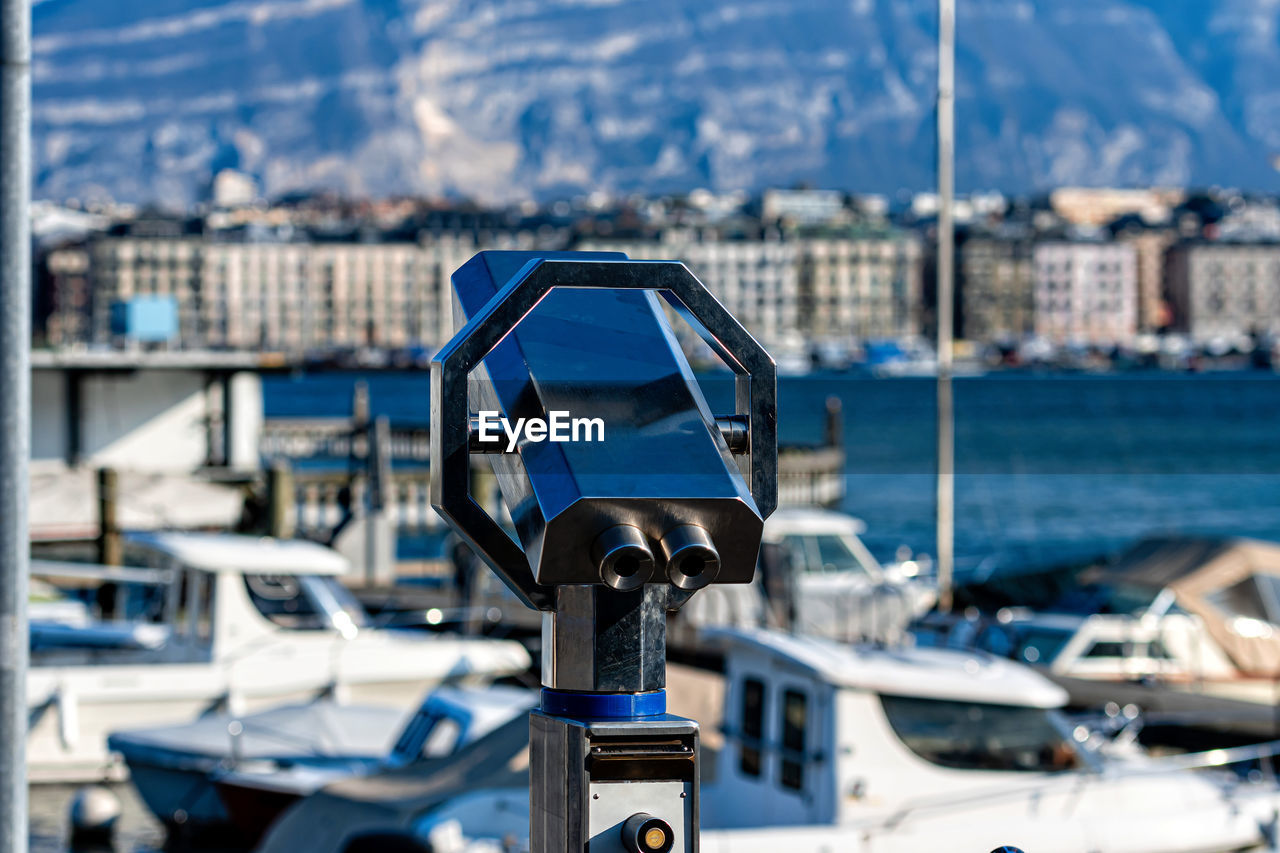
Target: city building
63, 277
233, 189
1098, 206
757, 281
1085, 292
860, 288
1222, 292
807, 289
280, 296
1150, 247
803, 207
994, 283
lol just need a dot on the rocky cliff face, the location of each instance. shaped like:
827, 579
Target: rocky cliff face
506, 99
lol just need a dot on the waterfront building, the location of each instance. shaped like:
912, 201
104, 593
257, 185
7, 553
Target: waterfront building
1085, 292
1150, 247
819, 288
1221, 292
63, 274
994, 278
860, 288
277, 296
757, 281
1098, 206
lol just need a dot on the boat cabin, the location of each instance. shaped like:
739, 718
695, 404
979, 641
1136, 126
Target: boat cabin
221, 621
816, 733
837, 586
200, 596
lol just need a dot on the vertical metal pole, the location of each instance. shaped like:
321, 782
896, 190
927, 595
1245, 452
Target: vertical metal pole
281, 500
946, 288
228, 420
110, 545
833, 426
15, 409
377, 565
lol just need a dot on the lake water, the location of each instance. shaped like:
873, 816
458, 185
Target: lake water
1050, 467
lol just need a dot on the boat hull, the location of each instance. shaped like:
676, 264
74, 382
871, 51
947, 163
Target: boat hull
178, 797
251, 809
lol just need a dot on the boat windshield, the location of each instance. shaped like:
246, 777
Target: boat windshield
978, 736
306, 602
822, 553
1030, 643
430, 734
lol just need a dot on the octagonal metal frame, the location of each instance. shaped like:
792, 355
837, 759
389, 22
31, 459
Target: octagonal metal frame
755, 393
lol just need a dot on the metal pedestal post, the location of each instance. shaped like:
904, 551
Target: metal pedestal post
613, 785
610, 770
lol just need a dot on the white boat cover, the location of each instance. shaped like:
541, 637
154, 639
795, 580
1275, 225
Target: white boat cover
326, 819
316, 730
1233, 585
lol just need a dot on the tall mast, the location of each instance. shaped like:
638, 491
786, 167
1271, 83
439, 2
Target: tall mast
946, 289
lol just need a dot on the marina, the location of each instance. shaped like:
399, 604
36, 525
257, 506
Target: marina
821, 573
576, 496
896, 747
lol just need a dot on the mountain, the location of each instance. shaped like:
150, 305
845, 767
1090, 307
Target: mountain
512, 99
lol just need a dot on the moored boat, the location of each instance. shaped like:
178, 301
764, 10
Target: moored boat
828, 746
1176, 625
237, 623
817, 577
226, 770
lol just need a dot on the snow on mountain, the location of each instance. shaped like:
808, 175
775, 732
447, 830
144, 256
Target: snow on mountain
511, 99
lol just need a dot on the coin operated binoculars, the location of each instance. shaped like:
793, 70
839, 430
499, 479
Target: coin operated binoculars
627, 496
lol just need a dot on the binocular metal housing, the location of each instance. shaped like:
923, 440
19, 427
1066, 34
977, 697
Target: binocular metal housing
657, 488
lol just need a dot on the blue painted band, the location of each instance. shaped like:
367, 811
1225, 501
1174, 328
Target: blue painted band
604, 705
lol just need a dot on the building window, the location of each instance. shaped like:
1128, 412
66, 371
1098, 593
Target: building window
795, 712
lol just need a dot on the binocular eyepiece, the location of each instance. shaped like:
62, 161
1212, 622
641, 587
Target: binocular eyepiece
623, 557
625, 560
692, 560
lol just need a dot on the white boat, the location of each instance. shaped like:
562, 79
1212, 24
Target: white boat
817, 577
185, 772
832, 747
237, 623
1186, 621
909, 749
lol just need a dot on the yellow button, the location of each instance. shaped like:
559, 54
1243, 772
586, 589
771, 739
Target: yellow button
655, 838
